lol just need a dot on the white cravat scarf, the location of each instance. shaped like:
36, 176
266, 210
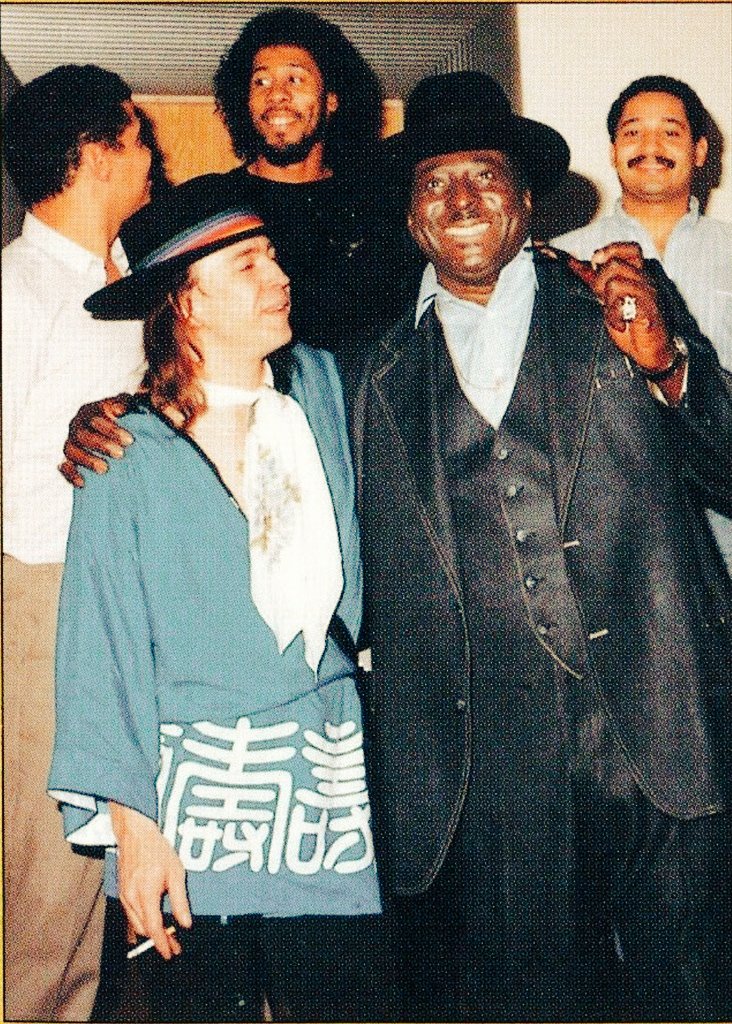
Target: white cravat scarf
296, 567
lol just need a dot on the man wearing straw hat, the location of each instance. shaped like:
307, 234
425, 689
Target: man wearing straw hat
550, 620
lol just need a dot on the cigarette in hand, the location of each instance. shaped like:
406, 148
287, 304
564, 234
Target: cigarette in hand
148, 944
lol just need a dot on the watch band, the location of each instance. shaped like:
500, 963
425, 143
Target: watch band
681, 354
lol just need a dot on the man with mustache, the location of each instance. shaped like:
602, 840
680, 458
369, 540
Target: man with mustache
658, 142
549, 617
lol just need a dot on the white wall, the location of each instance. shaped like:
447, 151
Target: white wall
576, 58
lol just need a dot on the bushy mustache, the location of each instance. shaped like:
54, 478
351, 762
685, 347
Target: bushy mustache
663, 160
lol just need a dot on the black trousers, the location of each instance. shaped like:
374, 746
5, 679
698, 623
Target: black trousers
566, 895
653, 942
306, 969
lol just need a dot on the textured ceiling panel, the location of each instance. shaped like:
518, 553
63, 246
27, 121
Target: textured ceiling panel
174, 49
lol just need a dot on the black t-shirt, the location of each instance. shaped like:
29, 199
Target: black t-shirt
346, 251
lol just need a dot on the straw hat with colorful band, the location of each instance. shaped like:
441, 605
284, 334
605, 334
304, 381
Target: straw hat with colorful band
164, 238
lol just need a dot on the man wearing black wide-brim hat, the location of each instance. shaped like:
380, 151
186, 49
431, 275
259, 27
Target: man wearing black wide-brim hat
550, 618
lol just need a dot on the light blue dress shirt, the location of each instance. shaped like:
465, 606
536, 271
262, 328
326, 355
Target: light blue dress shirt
486, 343
698, 259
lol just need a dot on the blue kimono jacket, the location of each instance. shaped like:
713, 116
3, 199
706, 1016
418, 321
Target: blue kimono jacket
172, 696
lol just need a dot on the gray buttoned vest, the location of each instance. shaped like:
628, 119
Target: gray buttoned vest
505, 518
537, 722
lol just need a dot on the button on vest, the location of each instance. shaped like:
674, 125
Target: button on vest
504, 478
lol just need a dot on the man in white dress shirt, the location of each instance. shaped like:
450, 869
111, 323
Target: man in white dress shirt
658, 142
73, 149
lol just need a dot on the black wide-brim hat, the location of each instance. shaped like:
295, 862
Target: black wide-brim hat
468, 110
161, 240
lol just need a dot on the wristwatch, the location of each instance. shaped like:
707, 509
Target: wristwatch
681, 354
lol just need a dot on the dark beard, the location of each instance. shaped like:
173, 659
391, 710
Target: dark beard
284, 156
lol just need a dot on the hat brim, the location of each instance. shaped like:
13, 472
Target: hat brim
136, 296
540, 152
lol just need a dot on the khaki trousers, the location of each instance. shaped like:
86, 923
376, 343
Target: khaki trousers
54, 907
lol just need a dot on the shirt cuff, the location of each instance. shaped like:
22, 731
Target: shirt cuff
87, 821
659, 395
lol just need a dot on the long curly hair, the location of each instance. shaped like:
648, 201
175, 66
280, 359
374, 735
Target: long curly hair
352, 132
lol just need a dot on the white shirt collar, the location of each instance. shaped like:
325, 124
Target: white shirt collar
427, 292
221, 396
430, 288
71, 254
486, 343
691, 216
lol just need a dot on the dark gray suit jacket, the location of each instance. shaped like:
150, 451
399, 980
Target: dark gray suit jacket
631, 481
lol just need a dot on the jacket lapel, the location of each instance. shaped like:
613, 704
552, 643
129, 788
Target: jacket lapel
405, 382
566, 313
406, 386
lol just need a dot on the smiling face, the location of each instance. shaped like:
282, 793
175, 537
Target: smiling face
653, 152
288, 104
239, 301
470, 217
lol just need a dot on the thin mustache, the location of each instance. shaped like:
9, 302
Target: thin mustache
469, 216
664, 160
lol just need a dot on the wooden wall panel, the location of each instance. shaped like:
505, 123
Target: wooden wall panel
190, 134
193, 138
392, 117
